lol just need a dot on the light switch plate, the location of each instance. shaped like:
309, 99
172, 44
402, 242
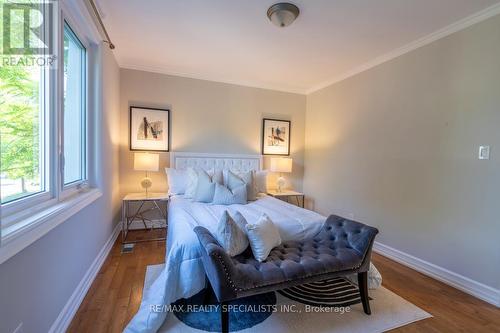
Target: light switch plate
484, 153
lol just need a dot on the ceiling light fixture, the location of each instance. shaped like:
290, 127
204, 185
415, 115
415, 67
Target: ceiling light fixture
283, 14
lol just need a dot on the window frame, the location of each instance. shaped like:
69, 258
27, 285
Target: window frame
26, 219
70, 189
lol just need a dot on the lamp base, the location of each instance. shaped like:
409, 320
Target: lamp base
281, 184
146, 183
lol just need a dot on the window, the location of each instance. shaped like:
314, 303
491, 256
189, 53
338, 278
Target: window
74, 106
23, 122
22, 143
45, 117
43, 126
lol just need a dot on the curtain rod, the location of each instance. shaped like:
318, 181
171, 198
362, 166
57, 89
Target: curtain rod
96, 13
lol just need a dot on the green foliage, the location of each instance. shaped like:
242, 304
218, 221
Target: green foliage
19, 119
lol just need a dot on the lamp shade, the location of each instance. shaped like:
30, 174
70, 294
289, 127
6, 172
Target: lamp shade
281, 164
146, 162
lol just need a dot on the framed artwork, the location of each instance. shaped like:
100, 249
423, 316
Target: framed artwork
276, 137
149, 129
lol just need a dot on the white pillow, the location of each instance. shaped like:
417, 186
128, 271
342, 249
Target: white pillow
263, 237
231, 234
191, 183
216, 176
260, 178
225, 196
192, 180
241, 221
234, 180
205, 188
177, 180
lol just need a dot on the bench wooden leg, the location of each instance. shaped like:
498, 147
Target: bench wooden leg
363, 291
224, 317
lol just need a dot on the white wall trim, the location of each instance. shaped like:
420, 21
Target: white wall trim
465, 284
63, 321
81, 15
441, 33
31, 228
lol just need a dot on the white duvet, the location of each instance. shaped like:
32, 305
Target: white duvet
184, 275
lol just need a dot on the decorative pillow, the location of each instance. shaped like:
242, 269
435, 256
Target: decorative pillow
216, 176
231, 234
263, 237
177, 180
192, 180
233, 180
241, 221
225, 196
236, 179
205, 188
260, 178
191, 183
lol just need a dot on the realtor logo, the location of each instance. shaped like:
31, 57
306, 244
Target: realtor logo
28, 28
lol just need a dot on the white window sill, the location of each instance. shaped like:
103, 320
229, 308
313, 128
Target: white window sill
26, 231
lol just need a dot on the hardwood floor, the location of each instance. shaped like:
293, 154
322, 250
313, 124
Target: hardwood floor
116, 293
453, 310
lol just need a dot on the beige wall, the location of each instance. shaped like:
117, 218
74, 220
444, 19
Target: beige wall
396, 147
207, 117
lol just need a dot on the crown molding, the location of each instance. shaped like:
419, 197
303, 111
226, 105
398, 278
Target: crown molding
441, 33
251, 84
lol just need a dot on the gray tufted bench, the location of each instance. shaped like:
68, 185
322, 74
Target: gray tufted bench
342, 247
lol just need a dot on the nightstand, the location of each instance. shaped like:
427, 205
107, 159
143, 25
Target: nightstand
286, 195
145, 203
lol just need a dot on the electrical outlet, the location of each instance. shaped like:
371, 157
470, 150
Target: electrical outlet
19, 328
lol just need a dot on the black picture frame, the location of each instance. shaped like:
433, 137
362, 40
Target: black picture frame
263, 140
133, 147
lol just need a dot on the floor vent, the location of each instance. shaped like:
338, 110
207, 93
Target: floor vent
128, 248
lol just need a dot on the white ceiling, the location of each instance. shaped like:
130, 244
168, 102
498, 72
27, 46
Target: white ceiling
233, 40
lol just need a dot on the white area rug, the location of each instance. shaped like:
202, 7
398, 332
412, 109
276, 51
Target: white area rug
389, 311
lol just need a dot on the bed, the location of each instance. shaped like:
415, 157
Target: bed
184, 275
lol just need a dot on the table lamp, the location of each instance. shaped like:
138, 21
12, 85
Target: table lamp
281, 165
146, 162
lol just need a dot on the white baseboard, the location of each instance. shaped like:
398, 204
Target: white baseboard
465, 284
63, 321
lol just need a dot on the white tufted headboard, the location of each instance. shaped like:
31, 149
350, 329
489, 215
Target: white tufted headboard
207, 161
